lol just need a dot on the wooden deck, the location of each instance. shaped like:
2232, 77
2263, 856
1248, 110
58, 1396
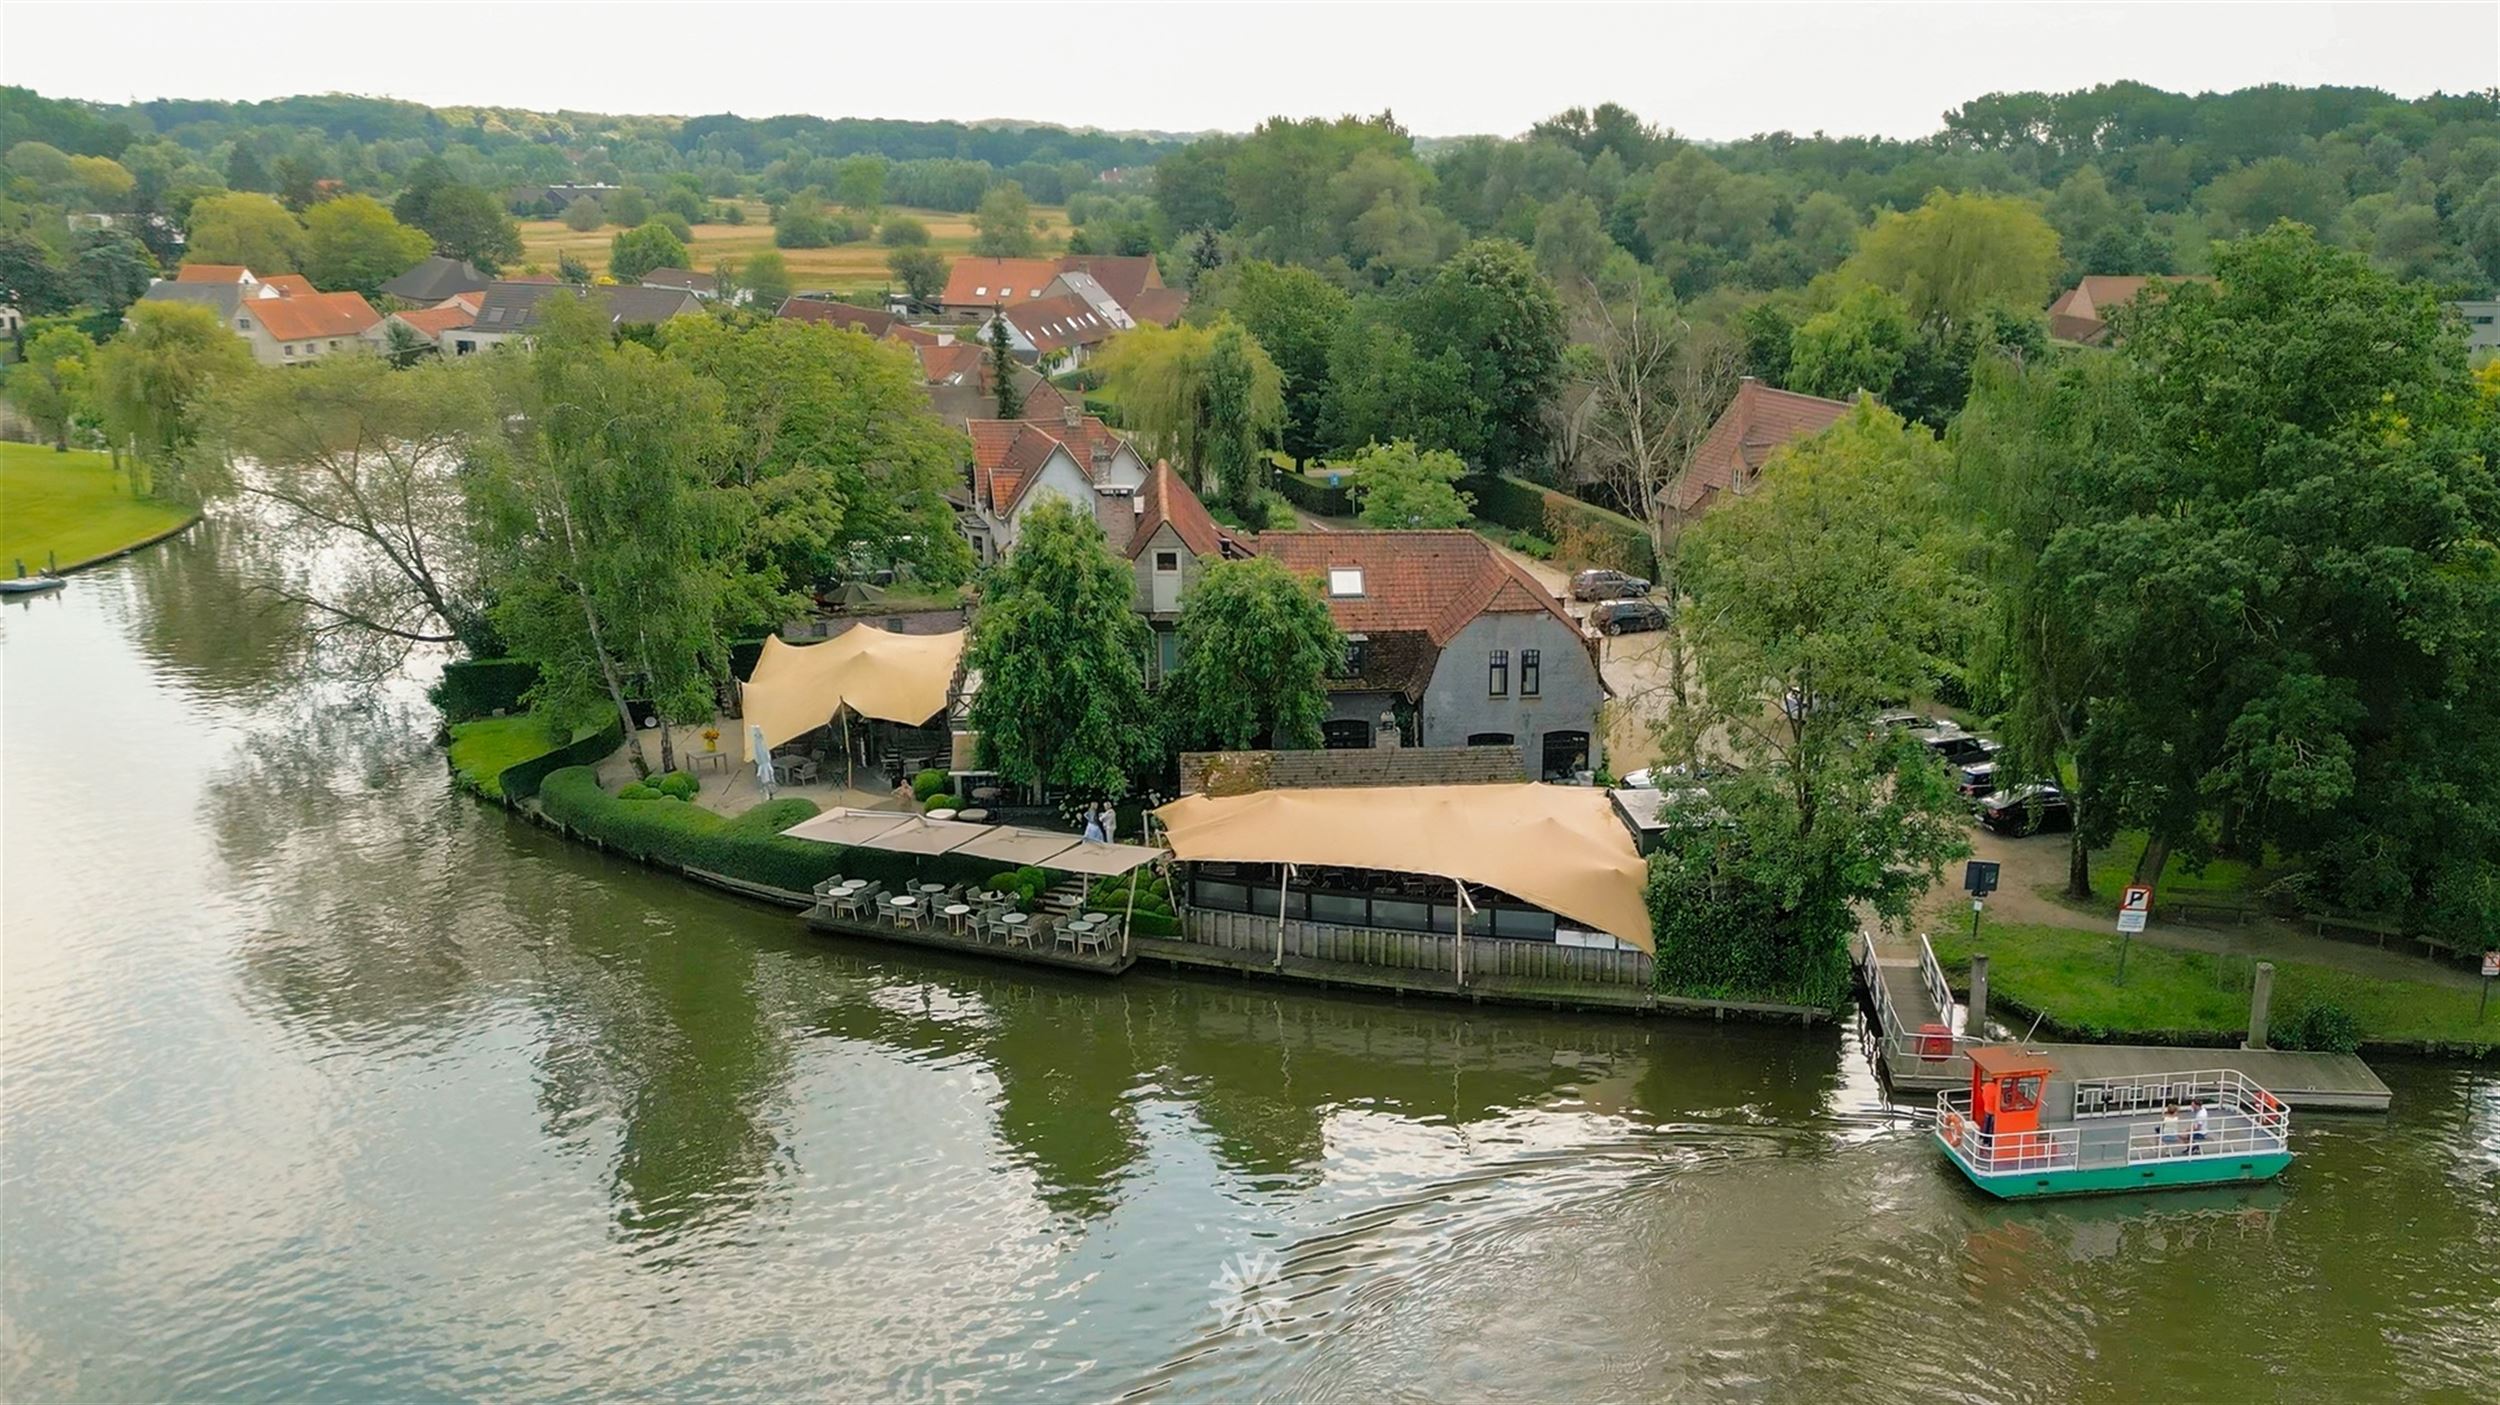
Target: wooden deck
2333, 1082
1105, 963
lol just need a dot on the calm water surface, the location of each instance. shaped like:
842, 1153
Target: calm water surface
322, 1083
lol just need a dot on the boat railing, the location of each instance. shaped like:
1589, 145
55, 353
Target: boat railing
1999, 1153
2132, 1094
2253, 1136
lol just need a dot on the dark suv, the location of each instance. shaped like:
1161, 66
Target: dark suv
1607, 585
1627, 617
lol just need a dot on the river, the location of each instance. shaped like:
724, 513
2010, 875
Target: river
322, 1082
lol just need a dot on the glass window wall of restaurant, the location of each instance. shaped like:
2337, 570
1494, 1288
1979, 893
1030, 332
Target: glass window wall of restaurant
1396, 902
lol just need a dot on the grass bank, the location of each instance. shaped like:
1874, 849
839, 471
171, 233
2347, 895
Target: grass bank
481, 750
2190, 997
2222, 881
71, 506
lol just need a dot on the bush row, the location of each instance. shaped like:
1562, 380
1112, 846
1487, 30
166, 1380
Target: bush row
1603, 538
475, 688
1151, 915
1315, 495
520, 782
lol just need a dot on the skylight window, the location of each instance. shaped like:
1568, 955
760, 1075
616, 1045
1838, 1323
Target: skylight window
1345, 582
982, 291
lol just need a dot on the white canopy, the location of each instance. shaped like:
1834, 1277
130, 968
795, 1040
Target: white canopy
1560, 847
797, 688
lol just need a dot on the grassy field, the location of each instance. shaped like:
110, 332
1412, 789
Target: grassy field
480, 750
73, 506
2113, 869
842, 268
2071, 977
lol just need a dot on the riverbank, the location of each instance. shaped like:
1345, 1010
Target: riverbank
68, 511
2068, 979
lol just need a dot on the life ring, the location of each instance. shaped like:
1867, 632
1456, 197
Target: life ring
1952, 1128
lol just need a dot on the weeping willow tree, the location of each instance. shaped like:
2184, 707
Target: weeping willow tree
1208, 399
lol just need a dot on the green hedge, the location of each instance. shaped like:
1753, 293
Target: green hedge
477, 688
1547, 514
1314, 495
746, 846
524, 780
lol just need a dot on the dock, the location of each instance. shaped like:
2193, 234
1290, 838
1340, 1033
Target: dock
1909, 994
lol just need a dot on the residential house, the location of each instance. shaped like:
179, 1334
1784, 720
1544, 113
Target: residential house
2082, 312
509, 311
1062, 330
874, 322
438, 323
975, 286
1756, 424
1168, 537
287, 285
944, 361
549, 201
1018, 463
702, 285
289, 331
1128, 289
436, 278
1450, 643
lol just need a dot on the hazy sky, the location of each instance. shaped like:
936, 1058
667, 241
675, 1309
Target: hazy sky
1708, 70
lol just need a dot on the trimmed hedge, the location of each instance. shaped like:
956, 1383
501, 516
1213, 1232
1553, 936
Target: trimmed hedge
1312, 494
1151, 915
520, 782
746, 846
475, 688
1552, 516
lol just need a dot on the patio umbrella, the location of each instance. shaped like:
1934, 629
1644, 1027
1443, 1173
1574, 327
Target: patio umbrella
763, 759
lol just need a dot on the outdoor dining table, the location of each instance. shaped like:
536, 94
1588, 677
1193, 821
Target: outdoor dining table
1015, 923
905, 909
955, 913
928, 889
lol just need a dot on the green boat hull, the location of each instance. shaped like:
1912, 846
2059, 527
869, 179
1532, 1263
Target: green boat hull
2181, 1174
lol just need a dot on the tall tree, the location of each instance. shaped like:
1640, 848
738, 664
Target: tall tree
1294, 313
151, 385
921, 270
1832, 590
1492, 310
352, 244
636, 252
766, 278
1062, 704
1243, 410
358, 469
1003, 226
1008, 396
252, 230
1956, 254
1257, 647
1407, 489
49, 385
611, 552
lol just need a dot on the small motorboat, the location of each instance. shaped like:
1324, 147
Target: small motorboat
2021, 1131
30, 585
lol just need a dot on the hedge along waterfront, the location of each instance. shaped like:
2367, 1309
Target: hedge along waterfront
477, 688
1604, 538
748, 846
520, 782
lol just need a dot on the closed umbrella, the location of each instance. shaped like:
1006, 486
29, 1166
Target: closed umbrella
763, 759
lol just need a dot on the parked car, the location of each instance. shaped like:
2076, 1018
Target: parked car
1606, 585
1627, 617
1653, 777
1902, 721
2027, 809
1976, 780
1957, 747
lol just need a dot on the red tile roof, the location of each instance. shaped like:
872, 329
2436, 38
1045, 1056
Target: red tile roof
308, 318
291, 285
1160, 306
1165, 498
875, 322
1123, 276
210, 273
1006, 454
978, 282
2082, 312
1430, 581
1757, 422
948, 365
436, 320
1054, 323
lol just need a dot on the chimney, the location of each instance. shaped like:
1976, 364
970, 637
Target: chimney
1136, 505
1102, 457
1072, 414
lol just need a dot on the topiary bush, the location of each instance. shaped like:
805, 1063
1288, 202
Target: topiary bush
940, 801
636, 790
678, 785
927, 783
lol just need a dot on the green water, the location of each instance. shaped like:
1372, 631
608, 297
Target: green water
322, 1083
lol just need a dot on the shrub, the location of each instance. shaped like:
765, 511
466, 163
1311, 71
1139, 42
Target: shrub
482, 687
636, 790
939, 801
927, 783
2325, 1027
678, 785
846, 229
899, 230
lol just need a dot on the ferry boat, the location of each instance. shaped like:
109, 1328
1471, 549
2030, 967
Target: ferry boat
2022, 1131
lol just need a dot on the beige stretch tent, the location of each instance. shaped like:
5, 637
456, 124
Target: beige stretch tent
1557, 846
797, 688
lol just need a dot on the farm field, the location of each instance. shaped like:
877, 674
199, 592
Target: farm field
841, 268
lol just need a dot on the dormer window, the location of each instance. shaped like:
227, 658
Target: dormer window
1345, 582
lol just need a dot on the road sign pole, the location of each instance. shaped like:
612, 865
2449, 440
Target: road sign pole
1975, 905
2122, 958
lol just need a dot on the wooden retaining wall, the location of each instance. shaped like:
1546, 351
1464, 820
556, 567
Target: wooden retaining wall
1488, 957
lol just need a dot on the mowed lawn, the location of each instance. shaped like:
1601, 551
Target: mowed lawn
73, 506
841, 268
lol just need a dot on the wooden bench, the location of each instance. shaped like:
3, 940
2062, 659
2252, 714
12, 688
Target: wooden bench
2239, 910
2374, 927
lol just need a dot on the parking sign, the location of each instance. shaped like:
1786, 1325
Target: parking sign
2491, 964
2134, 908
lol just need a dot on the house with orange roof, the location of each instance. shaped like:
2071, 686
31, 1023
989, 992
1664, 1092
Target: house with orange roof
1755, 425
1168, 536
1450, 643
976, 285
1063, 329
2082, 312
1018, 463
289, 331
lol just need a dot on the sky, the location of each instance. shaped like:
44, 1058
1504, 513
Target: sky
1710, 71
